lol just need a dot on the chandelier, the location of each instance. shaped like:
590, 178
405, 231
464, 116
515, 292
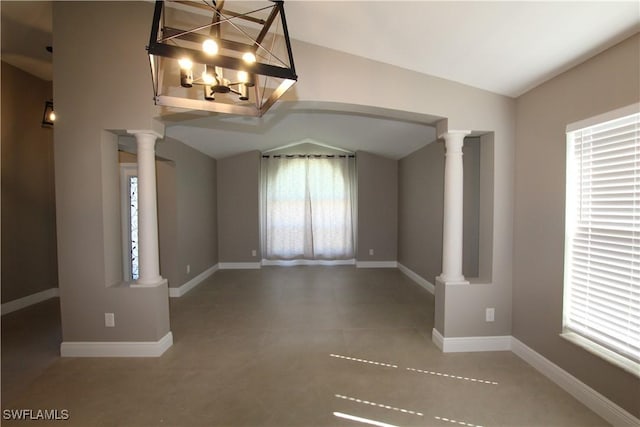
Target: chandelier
205, 56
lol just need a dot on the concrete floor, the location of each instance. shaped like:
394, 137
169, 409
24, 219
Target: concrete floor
285, 347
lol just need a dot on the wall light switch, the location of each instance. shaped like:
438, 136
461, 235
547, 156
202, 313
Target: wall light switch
188, 268
254, 253
490, 314
370, 251
109, 320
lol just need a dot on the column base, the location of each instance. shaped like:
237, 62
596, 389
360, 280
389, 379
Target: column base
150, 283
440, 320
452, 281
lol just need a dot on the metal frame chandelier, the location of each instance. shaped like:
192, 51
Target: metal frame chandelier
235, 62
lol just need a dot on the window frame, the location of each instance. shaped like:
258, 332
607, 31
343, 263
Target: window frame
577, 338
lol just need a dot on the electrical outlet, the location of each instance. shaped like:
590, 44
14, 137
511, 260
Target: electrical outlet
370, 251
109, 320
254, 252
490, 314
188, 268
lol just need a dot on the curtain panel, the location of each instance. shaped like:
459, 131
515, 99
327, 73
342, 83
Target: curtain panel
308, 207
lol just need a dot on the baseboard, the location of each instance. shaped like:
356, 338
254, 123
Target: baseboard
595, 401
17, 304
470, 344
376, 264
239, 265
186, 287
437, 339
293, 262
417, 278
599, 404
117, 349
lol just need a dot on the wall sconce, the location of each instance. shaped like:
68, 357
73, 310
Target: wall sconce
48, 116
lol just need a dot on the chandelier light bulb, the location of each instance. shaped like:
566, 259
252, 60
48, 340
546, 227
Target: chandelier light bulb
243, 76
249, 57
210, 47
185, 63
207, 78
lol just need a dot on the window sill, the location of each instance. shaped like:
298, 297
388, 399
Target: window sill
612, 357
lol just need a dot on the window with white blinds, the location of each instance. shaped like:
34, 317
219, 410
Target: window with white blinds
602, 253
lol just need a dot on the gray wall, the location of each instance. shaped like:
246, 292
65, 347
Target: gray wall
29, 258
471, 206
86, 173
238, 207
196, 205
603, 83
420, 210
377, 207
421, 205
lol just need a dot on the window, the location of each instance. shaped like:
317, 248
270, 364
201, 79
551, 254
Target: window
129, 202
307, 207
602, 242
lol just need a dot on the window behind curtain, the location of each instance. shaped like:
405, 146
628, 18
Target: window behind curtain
308, 207
602, 261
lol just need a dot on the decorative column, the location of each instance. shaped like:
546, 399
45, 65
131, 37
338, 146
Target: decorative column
453, 196
148, 253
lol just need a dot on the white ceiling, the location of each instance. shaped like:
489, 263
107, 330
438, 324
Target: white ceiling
505, 47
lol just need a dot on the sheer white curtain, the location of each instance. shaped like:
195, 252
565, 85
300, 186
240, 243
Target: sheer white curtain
308, 208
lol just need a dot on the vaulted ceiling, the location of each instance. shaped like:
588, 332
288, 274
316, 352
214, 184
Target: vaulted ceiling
504, 47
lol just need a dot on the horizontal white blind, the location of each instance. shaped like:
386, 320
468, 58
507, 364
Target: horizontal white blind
602, 264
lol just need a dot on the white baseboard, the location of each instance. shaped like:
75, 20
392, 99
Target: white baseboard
186, 287
293, 262
599, 404
239, 265
376, 264
417, 278
595, 401
117, 349
470, 344
17, 304
437, 339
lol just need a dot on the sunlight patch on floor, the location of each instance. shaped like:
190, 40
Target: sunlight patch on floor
371, 362
460, 423
456, 377
362, 420
380, 405
421, 371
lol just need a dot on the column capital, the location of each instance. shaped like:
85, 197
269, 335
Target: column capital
454, 140
140, 132
453, 134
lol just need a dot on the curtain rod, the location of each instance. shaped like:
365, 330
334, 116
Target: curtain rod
308, 156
